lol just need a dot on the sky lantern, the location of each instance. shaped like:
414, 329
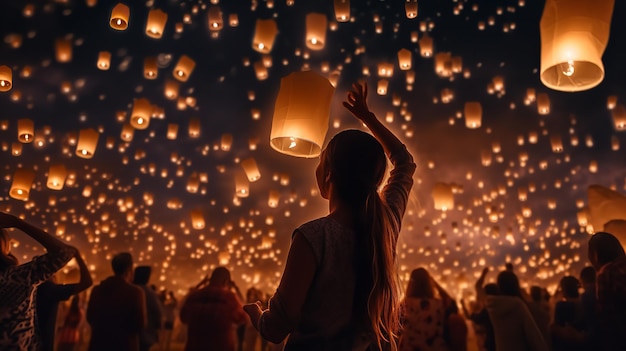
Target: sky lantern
260, 70
242, 185
21, 184
410, 7
405, 59
426, 46
473, 113
197, 219
216, 22
87, 143
56, 177
233, 20
574, 34
226, 142
156, 23
16, 149
63, 50
264, 35
301, 114
316, 24
6, 78
194, 127
127, 132
342, 10
150, 68
184, 67
140, 116
543, 104
25, 130
172, 131
171, 89
251, 168
611, 102
614, 143
557, 143
119, 17
443, 197
273, 199
385, 70
104, 60
383, 86
619, 117
443, 64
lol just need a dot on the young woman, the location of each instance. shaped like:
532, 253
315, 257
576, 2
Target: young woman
339, 290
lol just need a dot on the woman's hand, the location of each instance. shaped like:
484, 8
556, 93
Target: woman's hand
357, 102
255, 311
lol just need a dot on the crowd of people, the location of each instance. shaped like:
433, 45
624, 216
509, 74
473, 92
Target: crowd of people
339, 290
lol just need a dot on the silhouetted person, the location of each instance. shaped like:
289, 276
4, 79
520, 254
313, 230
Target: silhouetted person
540, 310
154, 310
608, 258
482, 321
569, 327
339, 289
588, 301
18, 283
117, 309
69, 336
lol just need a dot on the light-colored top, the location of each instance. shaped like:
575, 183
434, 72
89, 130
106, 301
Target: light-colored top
422, 327
513, 325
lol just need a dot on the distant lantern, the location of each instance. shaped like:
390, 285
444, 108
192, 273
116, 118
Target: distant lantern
457, 64
531, 95
233, 20
383, 86
443, 197
619, 117
127, 133
216, 22
140, 116
574, 34
543, 104
264, 35
251, 168
194, 127
172, 131
104, 60
197, 219
426, 46
150, 68
184, 67
485, 158
171, 89
21, 184
385, 69
404, 59
342, 10
473, 112
557, 143
260, 70
56, 177
6, 78
156, 23
410, 7
25, 130
301, 114
316, 24
611, 102
223, 258
593, 166
273, 199
63, 50
87, 143
242, 185
614, 143
16, 149
226, 142
119, 17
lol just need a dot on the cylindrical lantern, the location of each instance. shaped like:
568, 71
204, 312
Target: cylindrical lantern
25, 130
273, 199
194, 127
127, 133
104, 60
226, 142
543, 104
316, 24
6, 78
264, 35
410, 8
260, 70
183, 68
619, 117
301, 114
119, 17
443, 197
172, 131
56, 177
611, 102
197, 219
342, 10
252, 169
404, 59
21, 184
156, 23
242, 185
171, 89
383, 86
150, 68
473, 112
216, 22
63, 50
426, 46
574, 34
557, 143
140, 116
16, 149
385, 69
87, 143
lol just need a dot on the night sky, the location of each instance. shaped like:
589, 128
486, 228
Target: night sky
139, 195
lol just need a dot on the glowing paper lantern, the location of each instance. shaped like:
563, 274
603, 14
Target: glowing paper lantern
301, 114
197, 220
171, 89
56, 177
63, 50
543, 104
119, 17
87, 143
194, 127
16, 149
410, 7
342, 10
184, 67
557, 143
104, 60
273, 199
251, 168
6, 78
226, 142
426, 46
316, 24
156, 23
127, 133
619, 117
21, 184
140, 116
443, 197
264, 35
216, 22
611, 102
473, 113
383, 86
25, 130
172, 131
385, 69
242, 185
574, 34
405, 59
150, 68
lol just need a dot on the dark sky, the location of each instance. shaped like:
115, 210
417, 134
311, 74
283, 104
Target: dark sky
453, 245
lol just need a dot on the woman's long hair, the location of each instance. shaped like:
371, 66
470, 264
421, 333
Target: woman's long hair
420, 285
357, 164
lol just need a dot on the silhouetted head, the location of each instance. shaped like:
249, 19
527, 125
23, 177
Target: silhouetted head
220, 277
142, 275
588, 276
354, 163
536, 293
6, 257
508, 284
420, 284
604, 248
570, 286
491, 289
122, 264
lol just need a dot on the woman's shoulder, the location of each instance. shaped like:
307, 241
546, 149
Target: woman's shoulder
320, 225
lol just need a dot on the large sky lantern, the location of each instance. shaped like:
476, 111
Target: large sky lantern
87, 143
574, 35
155, 25
56, 177
21, 184
443, 197
6, 78
119, 17
316, 24
183, 69
410, 8
264, 35
342, 10
301, 114
140, 115
473, 113
63, 50
25, 130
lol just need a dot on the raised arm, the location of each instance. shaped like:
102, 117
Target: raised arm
85, 277
49, 242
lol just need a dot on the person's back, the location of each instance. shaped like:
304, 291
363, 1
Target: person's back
423, 325
154, 309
